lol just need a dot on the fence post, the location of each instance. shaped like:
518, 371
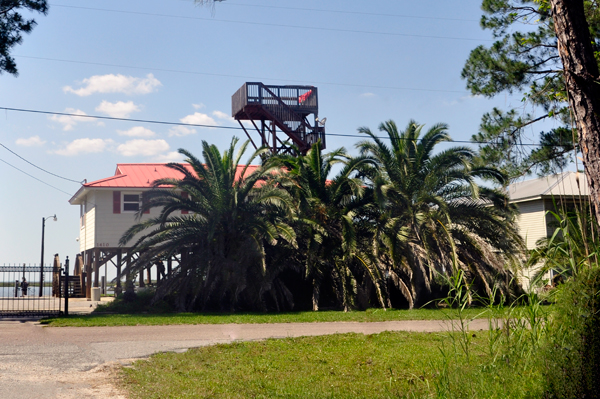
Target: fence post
66, 286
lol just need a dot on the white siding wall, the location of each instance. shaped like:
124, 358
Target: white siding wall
111, 226
532, 226
532, 221
87, 231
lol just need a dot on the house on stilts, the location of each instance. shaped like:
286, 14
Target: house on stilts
107, 209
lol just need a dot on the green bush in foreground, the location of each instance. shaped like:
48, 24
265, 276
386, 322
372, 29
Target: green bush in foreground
572, 354
141, 302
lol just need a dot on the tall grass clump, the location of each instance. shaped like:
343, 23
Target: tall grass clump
533, 351
572, 351
505, 364
571, 354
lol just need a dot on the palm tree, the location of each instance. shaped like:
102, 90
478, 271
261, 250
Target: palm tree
433, 219
325, 220
233, 214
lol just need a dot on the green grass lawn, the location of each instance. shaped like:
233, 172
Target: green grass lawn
386, 365
338, 366
370, 315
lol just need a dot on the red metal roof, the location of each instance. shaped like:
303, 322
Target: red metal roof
141, 175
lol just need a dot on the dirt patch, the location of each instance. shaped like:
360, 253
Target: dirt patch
19, 381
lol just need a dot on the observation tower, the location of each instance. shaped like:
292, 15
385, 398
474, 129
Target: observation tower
283, 116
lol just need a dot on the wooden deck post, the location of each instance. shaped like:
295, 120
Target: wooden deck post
79, 273
96, 268
78, 265
118, 288
128, 275
141, 279
88, 274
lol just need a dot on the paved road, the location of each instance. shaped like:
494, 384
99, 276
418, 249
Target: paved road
69, 362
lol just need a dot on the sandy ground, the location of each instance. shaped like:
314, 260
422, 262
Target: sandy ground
69, 362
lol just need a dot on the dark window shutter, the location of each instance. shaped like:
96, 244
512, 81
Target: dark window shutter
184, 211
116, 202
142, 200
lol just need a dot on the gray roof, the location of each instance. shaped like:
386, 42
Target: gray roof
562, 184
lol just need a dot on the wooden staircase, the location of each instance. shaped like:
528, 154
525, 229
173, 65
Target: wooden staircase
76, 286
286, 108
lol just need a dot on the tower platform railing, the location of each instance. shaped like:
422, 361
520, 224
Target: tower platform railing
302, 99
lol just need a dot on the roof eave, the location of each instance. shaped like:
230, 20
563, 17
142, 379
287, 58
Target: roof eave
76, 199
524, 199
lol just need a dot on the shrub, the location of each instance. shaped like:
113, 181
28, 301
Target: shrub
572, 353
141, 302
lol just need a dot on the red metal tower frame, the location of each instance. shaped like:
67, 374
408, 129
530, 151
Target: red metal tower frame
291, 111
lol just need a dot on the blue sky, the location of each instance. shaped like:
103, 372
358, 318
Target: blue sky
171, 60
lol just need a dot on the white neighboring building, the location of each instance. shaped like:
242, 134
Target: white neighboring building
107, 209
535, 197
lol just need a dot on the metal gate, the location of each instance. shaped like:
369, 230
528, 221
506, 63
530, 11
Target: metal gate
27, 291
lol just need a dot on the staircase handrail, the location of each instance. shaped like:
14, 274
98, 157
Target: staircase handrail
290, 111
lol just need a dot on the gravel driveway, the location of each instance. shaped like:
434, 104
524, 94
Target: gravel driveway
71, 362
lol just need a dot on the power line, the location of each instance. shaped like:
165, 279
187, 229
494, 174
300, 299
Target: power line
275, 25
452, 141
252, 78
120, 119
232, 127
349, 12
42, 169
33, 177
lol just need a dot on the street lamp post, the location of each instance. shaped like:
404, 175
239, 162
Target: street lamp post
42, 261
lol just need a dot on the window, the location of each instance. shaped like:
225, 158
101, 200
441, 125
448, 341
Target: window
131, 202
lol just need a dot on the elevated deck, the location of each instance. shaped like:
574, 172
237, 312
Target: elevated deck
286, 108
249, 101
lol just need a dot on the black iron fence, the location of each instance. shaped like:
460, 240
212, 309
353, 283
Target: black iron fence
30, 290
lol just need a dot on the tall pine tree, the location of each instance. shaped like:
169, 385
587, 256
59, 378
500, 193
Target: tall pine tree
525, 60
12, 27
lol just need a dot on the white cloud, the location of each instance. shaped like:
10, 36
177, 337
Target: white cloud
172, 156
69, 121
461, 100
198, 106
198, 118
142, 147
115, 84
222, 115
137, 131
84, 146
180, 131
34, 141
119, 109
368, 95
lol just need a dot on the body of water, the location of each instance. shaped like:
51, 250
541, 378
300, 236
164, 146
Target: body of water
33, 291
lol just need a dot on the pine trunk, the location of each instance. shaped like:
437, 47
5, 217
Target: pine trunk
583, 85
